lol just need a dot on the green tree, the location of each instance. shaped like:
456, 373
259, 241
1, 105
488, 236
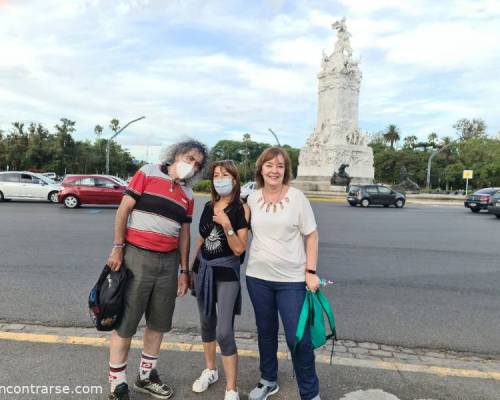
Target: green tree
245, 154
64, 149
98, 131
391, 135
468, 129
114, 125
3, 152
432, 138
410, 141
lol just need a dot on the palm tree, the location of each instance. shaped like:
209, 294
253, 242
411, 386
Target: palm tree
432, 138
392, 135
98, 131
410, 141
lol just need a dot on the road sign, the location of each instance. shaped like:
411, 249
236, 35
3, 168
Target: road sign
468, 173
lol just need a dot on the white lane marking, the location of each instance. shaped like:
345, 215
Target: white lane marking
372, 394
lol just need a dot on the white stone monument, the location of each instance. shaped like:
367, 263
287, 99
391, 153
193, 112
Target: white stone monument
336, 140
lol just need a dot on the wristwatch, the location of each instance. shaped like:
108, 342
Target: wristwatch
230, 232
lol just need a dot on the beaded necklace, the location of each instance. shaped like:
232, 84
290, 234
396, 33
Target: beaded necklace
268, 204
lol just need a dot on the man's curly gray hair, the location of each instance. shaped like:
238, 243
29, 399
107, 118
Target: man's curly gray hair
171, 152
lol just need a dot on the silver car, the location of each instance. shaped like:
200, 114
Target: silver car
247, 189
23, 185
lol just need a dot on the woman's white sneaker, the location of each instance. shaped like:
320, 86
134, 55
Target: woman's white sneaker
232, 395
207, 377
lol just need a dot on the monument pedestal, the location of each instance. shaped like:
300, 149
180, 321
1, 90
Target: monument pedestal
315, 184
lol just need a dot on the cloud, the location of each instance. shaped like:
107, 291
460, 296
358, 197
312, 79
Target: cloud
215, 70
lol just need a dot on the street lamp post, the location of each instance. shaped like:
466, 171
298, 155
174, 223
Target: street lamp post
246, 140
275, 136
429, 162
108, 145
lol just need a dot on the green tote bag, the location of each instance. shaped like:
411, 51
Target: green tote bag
315, 304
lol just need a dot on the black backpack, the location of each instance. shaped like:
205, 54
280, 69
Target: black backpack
106, 299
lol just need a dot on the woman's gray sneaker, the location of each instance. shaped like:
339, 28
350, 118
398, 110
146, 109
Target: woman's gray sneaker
262, 392
153, 386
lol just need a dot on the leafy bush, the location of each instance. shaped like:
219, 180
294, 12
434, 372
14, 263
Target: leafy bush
203, 185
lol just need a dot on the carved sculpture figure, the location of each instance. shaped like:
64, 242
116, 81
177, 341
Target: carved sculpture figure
342, 45
341, 177
406, 184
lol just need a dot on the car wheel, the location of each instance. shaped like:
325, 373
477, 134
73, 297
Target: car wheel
1, 197
386, 205
53, 198
352, 204
475, 210
71, 202
399, 203
365, 203
497, 215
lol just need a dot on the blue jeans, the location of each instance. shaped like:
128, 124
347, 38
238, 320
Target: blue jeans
268, 298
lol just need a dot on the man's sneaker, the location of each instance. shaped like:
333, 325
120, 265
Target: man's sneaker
120, 392
207, 377
232, 395
262, 392
153, 386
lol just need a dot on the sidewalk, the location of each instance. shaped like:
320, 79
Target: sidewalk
71, 356
421, 198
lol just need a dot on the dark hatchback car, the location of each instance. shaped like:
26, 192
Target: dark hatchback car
480, 199
494, 206
90, 189
367, 195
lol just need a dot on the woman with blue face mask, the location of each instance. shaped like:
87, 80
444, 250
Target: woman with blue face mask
220, 250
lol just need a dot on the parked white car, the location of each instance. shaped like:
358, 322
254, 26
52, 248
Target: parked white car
247, 189
50, 175
23, 185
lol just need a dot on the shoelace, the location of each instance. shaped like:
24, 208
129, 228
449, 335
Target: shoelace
157, 383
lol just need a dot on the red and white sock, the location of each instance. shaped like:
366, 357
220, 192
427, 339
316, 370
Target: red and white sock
148, 363
117, 375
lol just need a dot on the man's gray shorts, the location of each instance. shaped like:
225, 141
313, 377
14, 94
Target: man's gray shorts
151, 291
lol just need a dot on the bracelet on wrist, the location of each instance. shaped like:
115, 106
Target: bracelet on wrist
118, 245
184, 271
311, 271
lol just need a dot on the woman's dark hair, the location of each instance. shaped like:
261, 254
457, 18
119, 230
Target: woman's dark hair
170, 154
230, 167
269, 154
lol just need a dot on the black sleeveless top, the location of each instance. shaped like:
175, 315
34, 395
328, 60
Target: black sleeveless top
215, 243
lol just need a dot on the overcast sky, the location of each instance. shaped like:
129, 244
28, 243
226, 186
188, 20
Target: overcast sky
214, 70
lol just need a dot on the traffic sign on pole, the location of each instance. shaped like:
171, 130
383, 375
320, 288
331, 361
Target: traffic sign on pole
468, 174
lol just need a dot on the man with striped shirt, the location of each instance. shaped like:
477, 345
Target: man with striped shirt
152, 238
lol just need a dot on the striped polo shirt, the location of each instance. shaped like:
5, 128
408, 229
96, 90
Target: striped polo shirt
162, 205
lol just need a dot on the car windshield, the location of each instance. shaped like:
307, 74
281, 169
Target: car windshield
119, 180
45, 179
486, 191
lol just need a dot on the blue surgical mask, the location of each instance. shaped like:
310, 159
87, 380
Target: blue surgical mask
223, 186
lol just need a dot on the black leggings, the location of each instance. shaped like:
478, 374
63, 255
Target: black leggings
220, 325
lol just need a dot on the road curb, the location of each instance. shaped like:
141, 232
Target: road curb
346, 352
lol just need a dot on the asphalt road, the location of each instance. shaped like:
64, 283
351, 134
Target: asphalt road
422, 276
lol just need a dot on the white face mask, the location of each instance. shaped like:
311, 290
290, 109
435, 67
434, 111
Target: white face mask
223, 186
184, 170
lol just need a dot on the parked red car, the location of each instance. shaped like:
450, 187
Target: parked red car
90, 189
